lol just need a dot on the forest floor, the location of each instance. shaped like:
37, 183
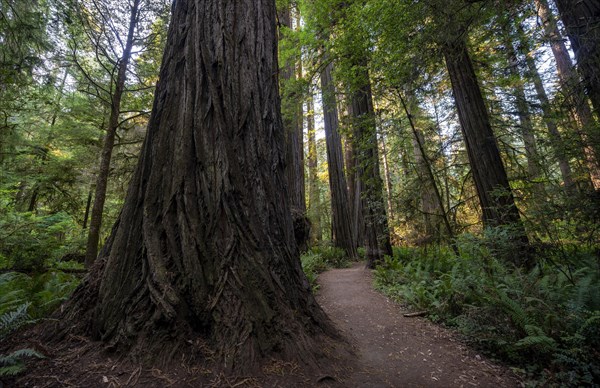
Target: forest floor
398, 351
388, 350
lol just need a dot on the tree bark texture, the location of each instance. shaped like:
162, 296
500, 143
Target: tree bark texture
204, 245
377, 236
341, 220
109, 141
494, 192
582, 22
573, 90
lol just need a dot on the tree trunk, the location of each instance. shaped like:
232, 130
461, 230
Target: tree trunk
526, 126
354, 192
292, 124
109, 141
433, 203
429, 203
494, 192
388, 179
88, 205
569, 82
556, 140
340, 211
377, 237
314, 210
582, 22
204, 245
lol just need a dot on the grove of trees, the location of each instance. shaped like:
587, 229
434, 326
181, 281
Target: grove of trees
187, 154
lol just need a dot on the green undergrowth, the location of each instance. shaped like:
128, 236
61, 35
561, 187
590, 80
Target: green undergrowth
26, 299
319, 259
544, 321
32, 243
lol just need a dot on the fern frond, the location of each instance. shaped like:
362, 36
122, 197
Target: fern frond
12, 370
540, 341
12, 320
12, 364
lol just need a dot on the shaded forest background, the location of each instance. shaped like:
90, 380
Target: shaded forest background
483, 213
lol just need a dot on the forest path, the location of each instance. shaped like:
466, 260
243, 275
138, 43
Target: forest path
396, 351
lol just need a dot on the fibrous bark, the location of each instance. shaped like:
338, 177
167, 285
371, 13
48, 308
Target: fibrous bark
204, 245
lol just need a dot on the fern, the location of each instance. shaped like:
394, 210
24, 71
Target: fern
516, 313
543, 342
12, 364
13, 320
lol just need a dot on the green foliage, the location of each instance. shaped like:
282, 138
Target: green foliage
10, 321
319, 259
29, 242
13, 364
545, 320
23, 300
40, 293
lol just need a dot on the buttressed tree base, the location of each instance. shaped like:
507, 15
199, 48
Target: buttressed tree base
204, 245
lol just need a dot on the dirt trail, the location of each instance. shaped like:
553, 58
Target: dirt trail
395, 351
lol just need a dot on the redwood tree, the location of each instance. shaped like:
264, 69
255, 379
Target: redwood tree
341, 222
204, 245
582, 21
494, 192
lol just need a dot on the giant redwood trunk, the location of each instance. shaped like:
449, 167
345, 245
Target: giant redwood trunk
340, 210
494, 192
204, 246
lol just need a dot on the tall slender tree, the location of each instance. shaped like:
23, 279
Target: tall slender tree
340, 210
365, 145
556, 140
572, 89
292, 120
312, 163
582, 22
493, 189
204, 244
109, 137
534, 172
